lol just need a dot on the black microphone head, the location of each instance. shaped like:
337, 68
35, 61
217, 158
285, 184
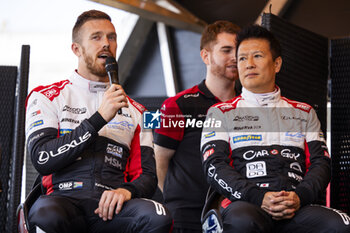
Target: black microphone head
111, 64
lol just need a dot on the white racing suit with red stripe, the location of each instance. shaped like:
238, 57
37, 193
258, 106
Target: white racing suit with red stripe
258, 143
77, 152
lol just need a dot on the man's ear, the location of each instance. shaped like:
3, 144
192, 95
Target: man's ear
76, 48
205, 56
278, 64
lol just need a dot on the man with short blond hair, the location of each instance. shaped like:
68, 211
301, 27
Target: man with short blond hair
179, 170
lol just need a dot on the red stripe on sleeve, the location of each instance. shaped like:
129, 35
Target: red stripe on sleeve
307, 156
133, 167
47, 183
50, 91
226, 202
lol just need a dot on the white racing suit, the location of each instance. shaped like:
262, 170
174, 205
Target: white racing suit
80, 155
255, 143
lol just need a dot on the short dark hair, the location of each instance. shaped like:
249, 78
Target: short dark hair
211, 31
258, 32
83, 18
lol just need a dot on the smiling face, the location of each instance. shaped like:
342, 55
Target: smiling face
256, 67
97, 41
220, 57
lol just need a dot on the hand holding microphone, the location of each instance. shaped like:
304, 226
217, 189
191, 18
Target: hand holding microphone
115, 97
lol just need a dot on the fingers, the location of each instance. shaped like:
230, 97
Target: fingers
112, 200
124, 195
117, 101
116, 94
120, 204
277, 200
287, 214
281, 197
113, 99
112, 206
281, 205
276, 208
284, 217
104, 205
272, 213
279, 214
290, 200
283, 209
115, 87
272, 198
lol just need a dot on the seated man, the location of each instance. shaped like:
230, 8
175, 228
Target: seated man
268, 157
96, 165
177, 148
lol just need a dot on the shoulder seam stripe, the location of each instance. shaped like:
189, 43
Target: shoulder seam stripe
54, 85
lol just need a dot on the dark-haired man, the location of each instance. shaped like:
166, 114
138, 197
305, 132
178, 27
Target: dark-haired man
269, 158
179, 170
96, 165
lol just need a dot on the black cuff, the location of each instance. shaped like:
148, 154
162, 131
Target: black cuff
256, 196
165, 141
97, 121
131, 188
305, 196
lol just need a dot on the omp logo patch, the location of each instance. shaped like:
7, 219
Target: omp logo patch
70, 185
66, 186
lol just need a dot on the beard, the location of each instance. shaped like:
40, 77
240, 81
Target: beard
221, 72
217, 70
94, 68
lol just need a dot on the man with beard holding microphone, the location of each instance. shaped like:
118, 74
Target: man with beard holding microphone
95, 164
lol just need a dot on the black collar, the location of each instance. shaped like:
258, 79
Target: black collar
204, 89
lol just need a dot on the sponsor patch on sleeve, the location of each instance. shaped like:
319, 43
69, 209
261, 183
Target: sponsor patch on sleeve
208, 153
65, 131
35, 124
209, 135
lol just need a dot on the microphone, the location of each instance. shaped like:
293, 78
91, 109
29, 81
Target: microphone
112, 71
